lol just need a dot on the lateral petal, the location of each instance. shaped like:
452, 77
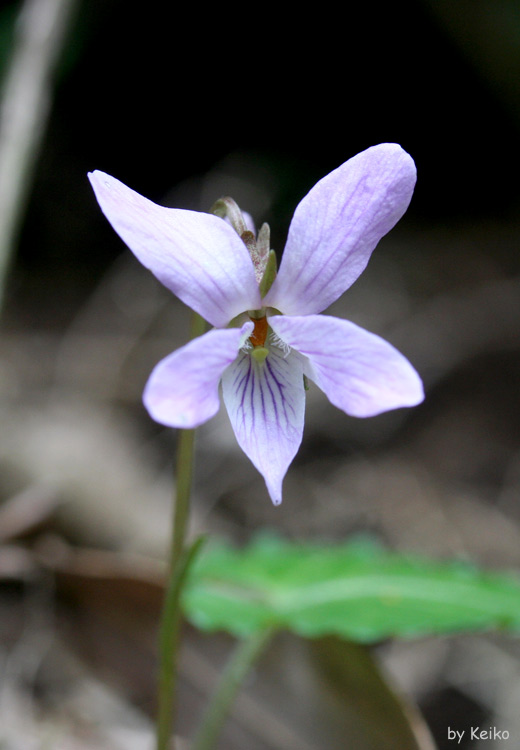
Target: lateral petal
182, 390
338, 224
359, 372
266, 404
198, 256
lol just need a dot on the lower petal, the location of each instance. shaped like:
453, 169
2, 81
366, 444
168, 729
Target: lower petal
266, 404
182, 390
359, 372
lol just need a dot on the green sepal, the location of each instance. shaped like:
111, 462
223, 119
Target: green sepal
269, 273
227, 207
263, 241
248, 238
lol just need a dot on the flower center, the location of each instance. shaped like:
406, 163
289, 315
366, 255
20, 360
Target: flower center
257, 339
260, 340
259, 333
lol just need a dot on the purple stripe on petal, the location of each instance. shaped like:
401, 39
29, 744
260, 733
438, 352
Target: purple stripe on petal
266, 403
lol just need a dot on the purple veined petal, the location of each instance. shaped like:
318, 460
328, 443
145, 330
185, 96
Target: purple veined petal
359, 372
266, 406
198, 256
338, 224
182, 390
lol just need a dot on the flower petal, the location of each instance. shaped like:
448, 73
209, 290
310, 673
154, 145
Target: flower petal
182, 390
361, 373
266, 405
198, 256
337, 225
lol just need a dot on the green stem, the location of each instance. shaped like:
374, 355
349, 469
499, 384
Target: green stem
169, 646
184, 476
246, 653
179, 562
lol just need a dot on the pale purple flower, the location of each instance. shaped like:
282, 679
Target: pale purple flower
262, 357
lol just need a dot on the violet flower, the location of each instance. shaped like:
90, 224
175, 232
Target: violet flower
263, 344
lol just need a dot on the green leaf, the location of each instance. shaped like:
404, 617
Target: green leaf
355, 590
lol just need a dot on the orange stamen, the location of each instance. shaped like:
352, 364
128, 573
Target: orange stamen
259, 334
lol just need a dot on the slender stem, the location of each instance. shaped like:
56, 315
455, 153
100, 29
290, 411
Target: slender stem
184, 476
183, 473
179, 561
246, 653
169, 643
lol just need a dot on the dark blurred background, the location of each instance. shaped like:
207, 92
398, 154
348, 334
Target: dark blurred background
157, 95
183, 103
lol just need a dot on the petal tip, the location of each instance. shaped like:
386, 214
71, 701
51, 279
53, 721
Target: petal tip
413, 388
419, 395
95, 175
274, 486
101, 182
276, 499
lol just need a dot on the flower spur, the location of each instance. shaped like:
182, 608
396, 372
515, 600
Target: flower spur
267, 333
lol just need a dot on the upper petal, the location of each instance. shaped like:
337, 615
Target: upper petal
337, 225
182, 390
361, 373
197, 256
266, 404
